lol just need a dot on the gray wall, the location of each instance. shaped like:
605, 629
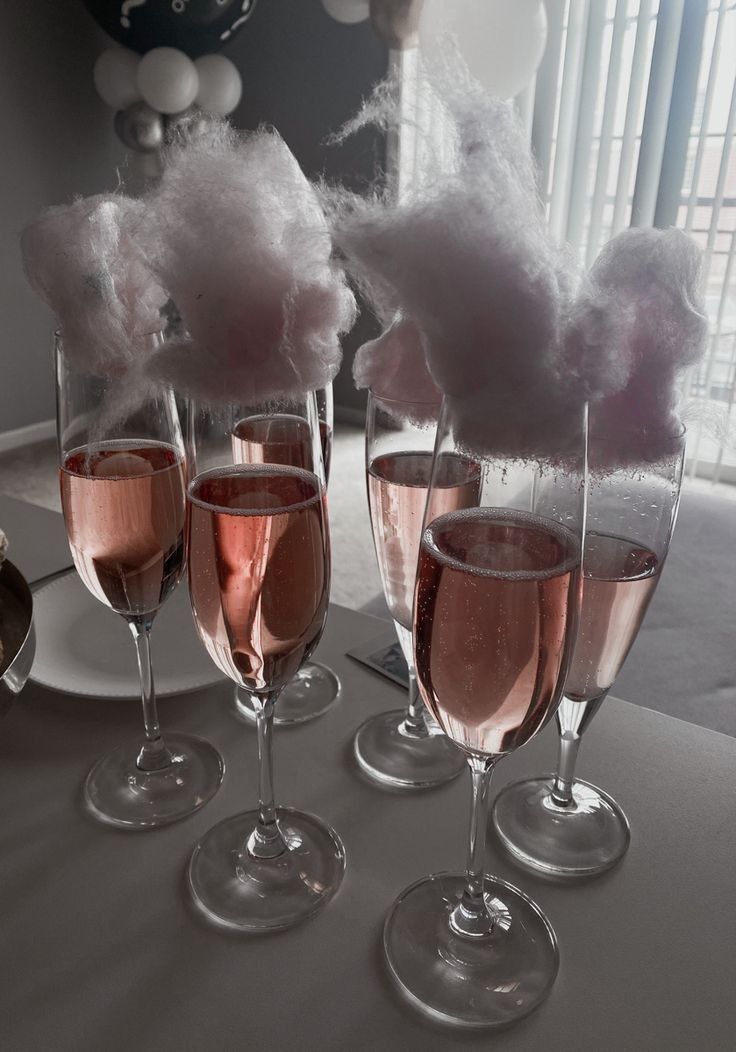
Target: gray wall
301, 70
306, 74
57, 141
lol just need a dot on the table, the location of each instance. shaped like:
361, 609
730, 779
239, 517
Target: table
37, 538
100, 949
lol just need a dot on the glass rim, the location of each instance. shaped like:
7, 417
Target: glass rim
405, 401
59, 333
608, 437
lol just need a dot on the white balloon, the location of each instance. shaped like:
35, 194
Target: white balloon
220, 86
115, 77
502, 41
167, 80
348, 11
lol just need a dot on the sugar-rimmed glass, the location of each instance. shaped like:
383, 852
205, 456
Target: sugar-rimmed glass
557, 823
405, 748
315, 688
498, 587
259, 577
122, 476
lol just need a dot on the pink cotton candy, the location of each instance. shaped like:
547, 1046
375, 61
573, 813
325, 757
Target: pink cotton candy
83, 260
394, 366
654, 276
469, 261
237, 235
515, 341
395, 363
596, 354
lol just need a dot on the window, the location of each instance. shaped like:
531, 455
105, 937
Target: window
632, 119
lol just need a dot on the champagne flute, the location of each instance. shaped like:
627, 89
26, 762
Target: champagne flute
404, 748
315, 687
122, 479
495, 610
560, 824
259, 577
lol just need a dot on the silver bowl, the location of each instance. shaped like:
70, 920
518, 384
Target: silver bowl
16, 630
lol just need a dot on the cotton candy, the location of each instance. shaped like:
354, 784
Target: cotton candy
513, 336
394, 366
469, 262
236, 234
85, 262
655, 276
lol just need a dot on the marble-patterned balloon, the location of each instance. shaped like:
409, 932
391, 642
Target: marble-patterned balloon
140, 128
187, 126
196, 27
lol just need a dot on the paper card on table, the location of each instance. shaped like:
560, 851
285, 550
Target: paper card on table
383, 654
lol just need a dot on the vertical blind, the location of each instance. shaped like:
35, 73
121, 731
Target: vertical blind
632, 119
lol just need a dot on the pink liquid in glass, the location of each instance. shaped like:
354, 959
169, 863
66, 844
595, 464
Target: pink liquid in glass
620, 577
259, 569
280, 439
494, 592
397, 494
124, 510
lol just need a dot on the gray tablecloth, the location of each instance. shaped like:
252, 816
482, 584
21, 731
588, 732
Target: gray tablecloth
100, 949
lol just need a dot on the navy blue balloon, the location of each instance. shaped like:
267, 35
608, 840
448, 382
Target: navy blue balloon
196, 27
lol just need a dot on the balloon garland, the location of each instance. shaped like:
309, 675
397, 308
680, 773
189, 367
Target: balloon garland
195, 27
502, 41
166, 69
166, 72
348, 12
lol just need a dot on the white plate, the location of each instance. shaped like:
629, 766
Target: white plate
85, 648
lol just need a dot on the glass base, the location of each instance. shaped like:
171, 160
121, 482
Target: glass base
118, 793
586, 838
239, 892
480, 983
313, 690
390, 756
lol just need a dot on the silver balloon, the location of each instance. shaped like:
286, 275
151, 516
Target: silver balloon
187, 126
140, 128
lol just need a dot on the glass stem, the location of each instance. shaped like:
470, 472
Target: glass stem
572, 719
266, 841
154, 756
415, 724
471, 917
565, 776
